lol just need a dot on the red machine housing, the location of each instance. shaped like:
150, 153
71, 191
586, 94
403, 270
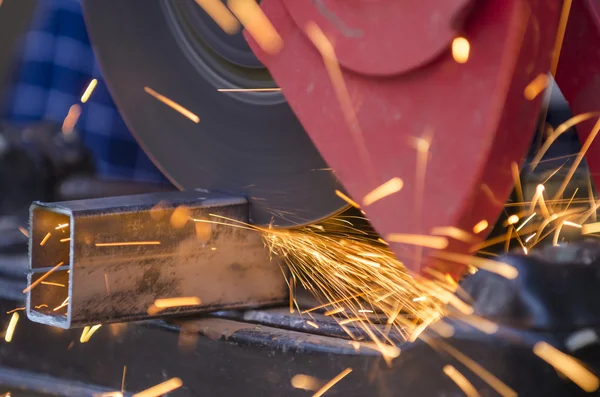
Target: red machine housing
404, 85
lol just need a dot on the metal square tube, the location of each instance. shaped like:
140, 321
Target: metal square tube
107, 260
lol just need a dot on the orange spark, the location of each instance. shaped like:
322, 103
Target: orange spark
480, 226
590, 198
24, 231
51, 283
512, 220
88, 91
172, 104
40, 306
460, 380
180, 217
502, 388
454, 232
161, 388
572, 224
71, 119
457, 303
123, 378
363, 260
44, 276
487, 326
347, 199
386, 350
324, 46
460, 49
106, 284
584, 148
490, 194
561, 129
419, 240
15, 309
528, 239
557, 233
108, 394
87, 333
540, 198
203, 232
65, 303
84, 332
335, 311
590, 228
125, 243
11, 327
64, 240
530, 217
305, 382
220, 14
450, 280
158, 210
392, 186
514, 168
422, 144
336, 269
257, 24
442, 328
503, 269
418, 330
91, 332
249, 227
164, 303
153, 310
45, 239
332, 382
396, 310
568, 366
312, 324
560, 35
61, 226
536, 86
252, 90
291, 287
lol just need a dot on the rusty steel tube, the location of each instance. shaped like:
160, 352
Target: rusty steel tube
108, 260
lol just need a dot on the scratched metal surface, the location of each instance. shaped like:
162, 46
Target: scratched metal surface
224, 266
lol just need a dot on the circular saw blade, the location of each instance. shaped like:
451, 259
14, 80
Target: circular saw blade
246, 143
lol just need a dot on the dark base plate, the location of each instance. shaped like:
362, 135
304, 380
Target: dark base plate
229, 356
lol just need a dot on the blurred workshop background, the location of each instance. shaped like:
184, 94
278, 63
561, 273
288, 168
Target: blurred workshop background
61, 136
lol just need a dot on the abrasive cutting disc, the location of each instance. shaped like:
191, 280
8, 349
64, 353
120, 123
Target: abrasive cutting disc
245, 142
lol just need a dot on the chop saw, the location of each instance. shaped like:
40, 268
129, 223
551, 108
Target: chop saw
286, 113
289, 128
